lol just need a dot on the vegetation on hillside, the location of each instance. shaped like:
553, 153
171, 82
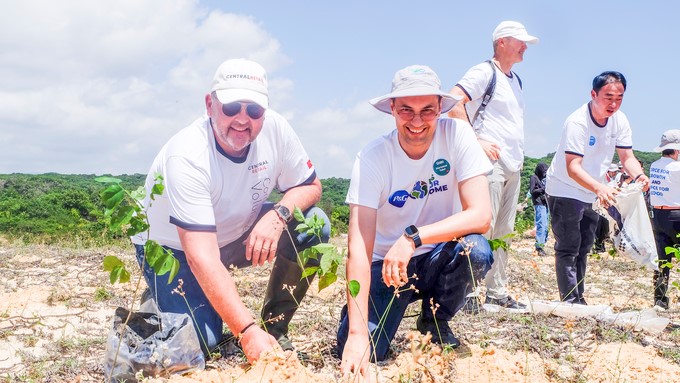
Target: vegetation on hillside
50, 207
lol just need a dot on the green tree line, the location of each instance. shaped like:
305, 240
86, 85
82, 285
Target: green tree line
56, 207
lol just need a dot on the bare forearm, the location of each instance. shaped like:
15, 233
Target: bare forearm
358, 269
303, 197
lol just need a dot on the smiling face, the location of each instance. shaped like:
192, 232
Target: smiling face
234, 133
607, 101
415, 134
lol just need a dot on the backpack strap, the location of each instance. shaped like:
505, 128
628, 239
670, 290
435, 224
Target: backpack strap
518, 79
488, 93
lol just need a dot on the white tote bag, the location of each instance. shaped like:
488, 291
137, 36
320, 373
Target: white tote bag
629, 226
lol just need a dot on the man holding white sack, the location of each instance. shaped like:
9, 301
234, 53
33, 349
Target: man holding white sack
575, 178
665, 201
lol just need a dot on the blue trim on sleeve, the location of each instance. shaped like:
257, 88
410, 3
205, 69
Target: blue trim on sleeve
624, 147
193, 227
464, 91
574, 153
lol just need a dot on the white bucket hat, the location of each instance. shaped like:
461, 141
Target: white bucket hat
415, 80
670, 139
513, 29
241, 79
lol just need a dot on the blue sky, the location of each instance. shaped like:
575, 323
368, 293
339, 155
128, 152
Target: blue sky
98, 87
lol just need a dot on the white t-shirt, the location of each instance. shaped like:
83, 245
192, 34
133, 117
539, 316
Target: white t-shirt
207, 190
664, 176
415, 192
502, 122
596, 144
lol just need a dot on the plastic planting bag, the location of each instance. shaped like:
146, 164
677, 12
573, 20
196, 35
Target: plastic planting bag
629, 226
151, 344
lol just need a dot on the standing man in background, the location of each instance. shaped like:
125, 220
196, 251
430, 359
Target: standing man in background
665, 200
499, 126
576, 178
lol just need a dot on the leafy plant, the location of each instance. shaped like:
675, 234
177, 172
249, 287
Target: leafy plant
124, 213
330, 257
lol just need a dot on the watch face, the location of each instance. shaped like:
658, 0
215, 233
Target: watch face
411, 230
283, 212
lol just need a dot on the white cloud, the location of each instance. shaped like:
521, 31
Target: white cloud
333, 136
98, 87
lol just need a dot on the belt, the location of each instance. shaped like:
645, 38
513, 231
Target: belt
667, 207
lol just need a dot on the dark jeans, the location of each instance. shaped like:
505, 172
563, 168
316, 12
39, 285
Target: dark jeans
601, 233
208, 322
666, 224
573, 224
443, 276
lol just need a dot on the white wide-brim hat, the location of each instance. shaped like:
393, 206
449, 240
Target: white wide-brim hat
670, 139
415, 80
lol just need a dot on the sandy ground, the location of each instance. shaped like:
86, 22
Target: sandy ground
56, 306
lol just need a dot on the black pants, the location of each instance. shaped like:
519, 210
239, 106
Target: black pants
573, 224
666, 224
601, 233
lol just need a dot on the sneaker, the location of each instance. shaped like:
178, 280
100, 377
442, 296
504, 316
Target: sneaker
506, 302
540, 252
661, 304
285, 343
472, 306
440, 330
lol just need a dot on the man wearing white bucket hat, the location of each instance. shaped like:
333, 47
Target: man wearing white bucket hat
418, 203
491, 99
664, 196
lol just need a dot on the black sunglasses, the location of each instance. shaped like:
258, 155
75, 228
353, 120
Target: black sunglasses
253, 110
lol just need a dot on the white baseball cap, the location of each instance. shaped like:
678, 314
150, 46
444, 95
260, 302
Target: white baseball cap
241, 79
670, 139
415, 80
513, 29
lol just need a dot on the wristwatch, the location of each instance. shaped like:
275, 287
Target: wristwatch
283, 212
412, 232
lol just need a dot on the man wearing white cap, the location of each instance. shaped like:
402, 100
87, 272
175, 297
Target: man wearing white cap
218, 173
665, 199
418, 204
498, 123
590, 137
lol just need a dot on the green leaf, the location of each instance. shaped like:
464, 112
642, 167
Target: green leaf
110, 262
119, 274
157, 189
327, 280
353, 286
107, 180
122, 217
302, 227
138, 194
309, 271
306, 255
174, 268
326, 263
112, 196
325, 248
297, 213
152, 252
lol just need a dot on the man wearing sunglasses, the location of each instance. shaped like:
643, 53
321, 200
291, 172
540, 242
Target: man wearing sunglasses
214, 214
418, 202
498, 123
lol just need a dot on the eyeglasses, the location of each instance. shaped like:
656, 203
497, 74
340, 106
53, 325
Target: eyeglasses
427, 114
253, 110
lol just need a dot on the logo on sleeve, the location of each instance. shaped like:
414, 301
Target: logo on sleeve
591, 142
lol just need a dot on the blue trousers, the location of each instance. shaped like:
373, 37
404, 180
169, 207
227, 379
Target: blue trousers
541, 220
444, 275
208, 323
573, 224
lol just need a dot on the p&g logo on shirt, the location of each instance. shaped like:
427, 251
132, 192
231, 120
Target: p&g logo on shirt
420, 190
